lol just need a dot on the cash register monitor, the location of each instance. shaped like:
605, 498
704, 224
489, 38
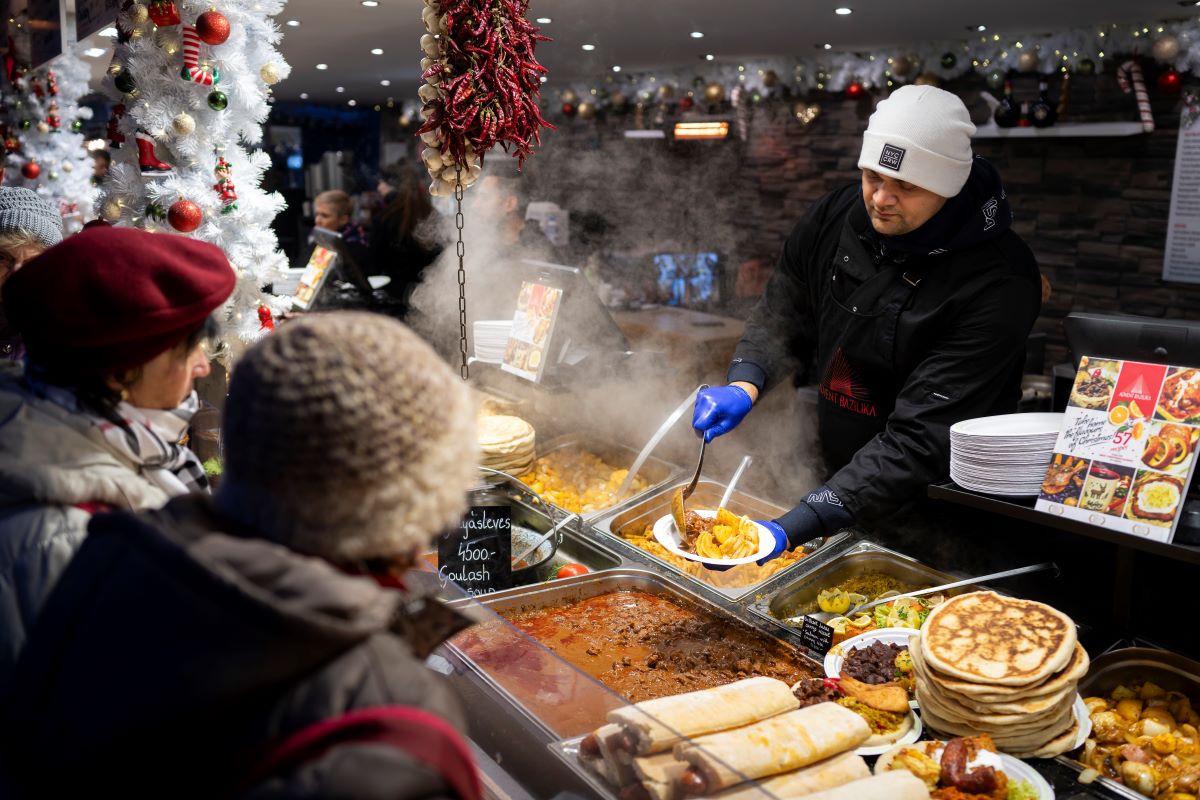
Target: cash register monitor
1120, 336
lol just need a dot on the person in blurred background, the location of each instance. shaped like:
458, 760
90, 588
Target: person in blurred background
28, 225
208, 638
101, 161
333, 210
500, 202
114, 322
397, 249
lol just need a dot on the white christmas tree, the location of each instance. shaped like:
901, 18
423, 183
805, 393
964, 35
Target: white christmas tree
190, 82
44, 145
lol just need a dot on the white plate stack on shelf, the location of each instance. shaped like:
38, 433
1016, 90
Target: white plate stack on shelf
1005, 455
491, 339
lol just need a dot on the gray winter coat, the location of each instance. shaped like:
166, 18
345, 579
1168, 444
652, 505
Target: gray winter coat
51, 462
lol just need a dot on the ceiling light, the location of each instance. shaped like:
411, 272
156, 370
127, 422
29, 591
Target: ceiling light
293, 23
843, 11
709, 57
544, 79
385, 82
588, 47
378, 51
340, 89
304, 95
697, 35
108, 33
616, 68
94, 52
827, 46
713, 129
322, 66
977, 28
370, 3
351, 102
544, 20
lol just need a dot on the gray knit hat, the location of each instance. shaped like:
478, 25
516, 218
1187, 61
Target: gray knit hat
347, 437
23, 211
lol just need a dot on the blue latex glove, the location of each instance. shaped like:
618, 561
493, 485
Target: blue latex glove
781, 540
719, 410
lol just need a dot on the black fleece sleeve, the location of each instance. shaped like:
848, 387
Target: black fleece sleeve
973, 363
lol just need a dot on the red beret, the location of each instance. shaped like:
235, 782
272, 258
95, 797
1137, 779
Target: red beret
110, 299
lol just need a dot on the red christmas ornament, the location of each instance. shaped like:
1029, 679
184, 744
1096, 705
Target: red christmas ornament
265, 322
686, 103
568, 109
213, 27
164, 13
855, 90
31, 170
184, 216
1169, 82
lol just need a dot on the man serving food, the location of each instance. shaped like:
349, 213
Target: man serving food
914, 298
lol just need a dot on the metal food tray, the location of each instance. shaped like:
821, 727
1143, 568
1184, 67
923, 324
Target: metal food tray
791, 592
656, 471
568, 590
656, 504
1170, 671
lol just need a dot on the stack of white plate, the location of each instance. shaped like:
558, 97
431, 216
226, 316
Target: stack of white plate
491, 339
1004, 455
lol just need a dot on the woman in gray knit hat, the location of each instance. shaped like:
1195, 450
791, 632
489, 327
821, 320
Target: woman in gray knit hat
28, 225
186, 642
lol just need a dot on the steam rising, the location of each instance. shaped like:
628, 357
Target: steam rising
653, 198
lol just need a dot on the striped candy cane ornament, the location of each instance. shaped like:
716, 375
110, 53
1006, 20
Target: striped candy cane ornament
1129, 77
192, 71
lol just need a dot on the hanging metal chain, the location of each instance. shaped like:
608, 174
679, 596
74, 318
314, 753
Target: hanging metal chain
462, 274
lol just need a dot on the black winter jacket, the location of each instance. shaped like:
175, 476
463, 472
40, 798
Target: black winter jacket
171, 654
954, 351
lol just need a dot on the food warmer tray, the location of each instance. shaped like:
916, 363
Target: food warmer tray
1170, 671
656, 504
584, 586
791, 590
656, 471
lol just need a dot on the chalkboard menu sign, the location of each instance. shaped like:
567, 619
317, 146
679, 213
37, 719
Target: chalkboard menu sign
816, 635
477, 556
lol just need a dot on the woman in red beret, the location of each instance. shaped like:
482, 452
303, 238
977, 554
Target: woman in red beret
114, 323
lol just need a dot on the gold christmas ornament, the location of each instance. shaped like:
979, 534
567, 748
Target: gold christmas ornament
1028, 61
770, 78
1166, 48
140, 15
666, 92
43, 127
569, 96
903, 67
586, 110
111, 211
269, 73
183, 124
928, 79
68, 166
714, 93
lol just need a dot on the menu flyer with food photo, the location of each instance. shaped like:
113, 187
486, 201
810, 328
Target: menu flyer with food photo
1127, 449
533, 324
316, 272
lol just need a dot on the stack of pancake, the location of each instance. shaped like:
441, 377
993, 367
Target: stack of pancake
505, 443
1001, 666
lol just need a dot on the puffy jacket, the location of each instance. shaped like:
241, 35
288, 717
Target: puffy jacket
176, 649
54, 466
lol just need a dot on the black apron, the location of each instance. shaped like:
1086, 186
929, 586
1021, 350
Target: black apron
861, 373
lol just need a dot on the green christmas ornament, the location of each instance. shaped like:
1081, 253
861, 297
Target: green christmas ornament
125, 82
698, 81
1087, 67
217, 101
53, 176
949, 60
76, 126
26, 124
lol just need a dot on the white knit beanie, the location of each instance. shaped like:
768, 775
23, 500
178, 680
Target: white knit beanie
922, 135
348, 438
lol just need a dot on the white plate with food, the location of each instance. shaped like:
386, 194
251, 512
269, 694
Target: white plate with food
912, 735
961, 764
739, 541
836, 657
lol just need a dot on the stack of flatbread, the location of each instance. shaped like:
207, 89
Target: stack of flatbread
735, 741
1001, 666
505, 443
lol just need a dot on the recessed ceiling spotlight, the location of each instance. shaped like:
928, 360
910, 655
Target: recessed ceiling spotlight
293, 23
544, 79
977, 28
827, 46
709, 57
378, 51
108, 33
322, 66
843, 11
351, 102
304, 95
616, 68
94, 52
340, 89
697, 35
544, 20
588, 47
385, 82
370, 3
